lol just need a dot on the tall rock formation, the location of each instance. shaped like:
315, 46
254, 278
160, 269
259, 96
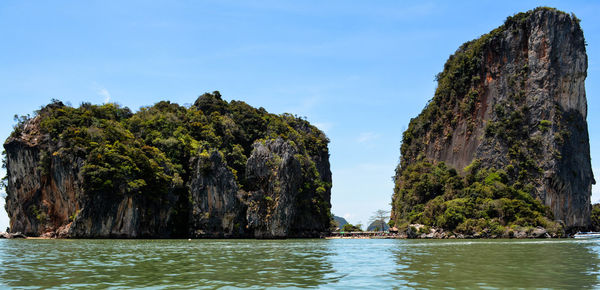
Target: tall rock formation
217, 169
514, 100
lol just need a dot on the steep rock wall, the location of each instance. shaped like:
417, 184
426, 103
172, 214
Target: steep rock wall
37, 201
103, 172
273, 203
217, 210
515, 100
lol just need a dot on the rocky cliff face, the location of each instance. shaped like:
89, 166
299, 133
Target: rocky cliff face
274, 204
37, 200
515, 100
217, 210
100, 171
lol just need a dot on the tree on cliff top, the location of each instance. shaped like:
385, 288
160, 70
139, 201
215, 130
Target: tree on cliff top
150, 153
379, 218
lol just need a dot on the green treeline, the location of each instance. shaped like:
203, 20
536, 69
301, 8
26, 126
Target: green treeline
150, 152
482, 200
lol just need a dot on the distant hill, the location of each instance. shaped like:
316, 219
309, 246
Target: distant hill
340, 221
376, 225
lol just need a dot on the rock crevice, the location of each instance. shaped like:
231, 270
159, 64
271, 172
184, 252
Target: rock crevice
227, 171
515, 100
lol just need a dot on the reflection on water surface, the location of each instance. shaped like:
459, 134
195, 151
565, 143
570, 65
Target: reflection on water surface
300, 263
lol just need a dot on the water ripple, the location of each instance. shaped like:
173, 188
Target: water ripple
341, 264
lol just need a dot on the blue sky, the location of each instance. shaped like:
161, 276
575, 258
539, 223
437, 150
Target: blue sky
357, 69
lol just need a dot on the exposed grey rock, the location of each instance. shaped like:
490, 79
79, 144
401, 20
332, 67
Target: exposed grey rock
217, 210
277, 175
36, 203
46, 195
270, 205
537, 62
412, 232
130, 216
17, 235
539, 232
520, 234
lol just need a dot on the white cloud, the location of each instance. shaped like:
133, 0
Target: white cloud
367, 137
325, 127
102, 92
105, 94
304, 106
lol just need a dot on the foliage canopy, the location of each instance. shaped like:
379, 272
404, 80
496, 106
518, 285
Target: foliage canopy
150, 152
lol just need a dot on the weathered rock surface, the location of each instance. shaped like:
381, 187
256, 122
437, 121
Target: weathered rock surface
36, 202
270, 207
55, 204
17, 235
539, 233
522, 107
277, 177
419, 231
217, 210
285, 192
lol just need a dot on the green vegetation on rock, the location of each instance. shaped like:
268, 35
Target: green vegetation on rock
596, 217
482, 201
154, 155
148, 152
352, 228
485, 111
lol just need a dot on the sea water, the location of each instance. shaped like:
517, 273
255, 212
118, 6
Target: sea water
342, 263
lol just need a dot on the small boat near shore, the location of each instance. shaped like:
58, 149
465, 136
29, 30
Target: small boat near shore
587, 235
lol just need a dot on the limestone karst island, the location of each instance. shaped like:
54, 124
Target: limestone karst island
215, 169
503, 145
500, 151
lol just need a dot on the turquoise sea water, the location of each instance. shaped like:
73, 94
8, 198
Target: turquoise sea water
261, 264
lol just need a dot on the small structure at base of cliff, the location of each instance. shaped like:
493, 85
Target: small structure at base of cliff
504, 141
216, 169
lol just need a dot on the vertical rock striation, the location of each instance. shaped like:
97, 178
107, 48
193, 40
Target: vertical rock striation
215, 170
515, 100
41, 196
277, 201
217, 210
